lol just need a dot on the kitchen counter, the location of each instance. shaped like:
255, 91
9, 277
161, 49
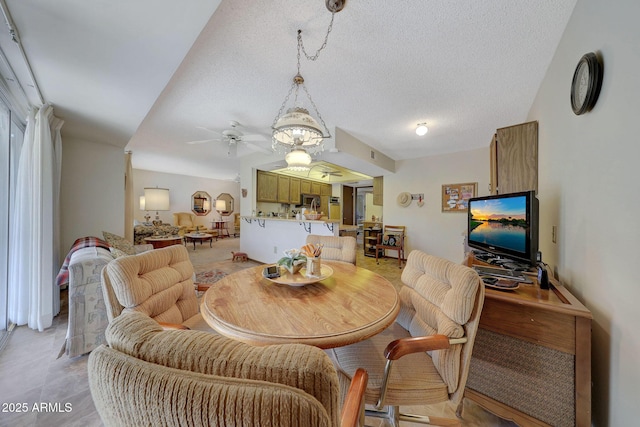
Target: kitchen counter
265, 239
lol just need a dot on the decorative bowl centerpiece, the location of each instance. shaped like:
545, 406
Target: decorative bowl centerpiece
293, 261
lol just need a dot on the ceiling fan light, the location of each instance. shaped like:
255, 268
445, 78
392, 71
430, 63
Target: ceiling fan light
422, 129
298, 160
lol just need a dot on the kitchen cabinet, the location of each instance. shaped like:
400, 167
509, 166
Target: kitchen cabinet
325, 190
284, 185
377, 190
267, 184
305, 186
514, 159
315, 187
294, 191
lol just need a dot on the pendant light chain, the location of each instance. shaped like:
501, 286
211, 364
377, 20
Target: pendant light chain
324, 44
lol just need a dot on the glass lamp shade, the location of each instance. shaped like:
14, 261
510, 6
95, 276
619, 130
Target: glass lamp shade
298, 160
156, 199
297, 128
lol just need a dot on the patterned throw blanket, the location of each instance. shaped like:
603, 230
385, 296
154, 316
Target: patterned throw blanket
83, 242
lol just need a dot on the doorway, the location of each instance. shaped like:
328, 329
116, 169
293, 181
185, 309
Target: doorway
347, 205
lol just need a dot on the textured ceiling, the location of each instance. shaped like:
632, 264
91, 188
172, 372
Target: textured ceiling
464, 67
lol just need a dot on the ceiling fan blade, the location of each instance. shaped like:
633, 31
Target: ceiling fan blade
202, 141
257, 147
254, 137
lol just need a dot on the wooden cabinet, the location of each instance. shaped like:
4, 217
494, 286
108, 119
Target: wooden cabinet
377, 190
315, 187
267, 184
370, 232
284, 185
305, 186
294, 191
325, 189
514, 159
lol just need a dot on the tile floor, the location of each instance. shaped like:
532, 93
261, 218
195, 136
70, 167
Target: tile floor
37, 389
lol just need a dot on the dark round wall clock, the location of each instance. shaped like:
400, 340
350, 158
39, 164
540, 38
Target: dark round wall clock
586, 83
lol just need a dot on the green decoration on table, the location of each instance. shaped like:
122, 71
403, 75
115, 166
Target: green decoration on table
292, 261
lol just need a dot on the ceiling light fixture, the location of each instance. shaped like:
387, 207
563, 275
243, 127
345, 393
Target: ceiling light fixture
422, 129
296, 131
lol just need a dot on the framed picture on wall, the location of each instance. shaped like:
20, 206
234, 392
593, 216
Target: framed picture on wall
455, 197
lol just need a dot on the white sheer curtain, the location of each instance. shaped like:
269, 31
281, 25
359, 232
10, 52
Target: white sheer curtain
34, 229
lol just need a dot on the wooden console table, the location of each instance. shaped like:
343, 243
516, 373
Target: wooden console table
531, 361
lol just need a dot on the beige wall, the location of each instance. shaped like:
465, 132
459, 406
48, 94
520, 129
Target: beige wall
92, 191
588, 175
428, 228
181, 188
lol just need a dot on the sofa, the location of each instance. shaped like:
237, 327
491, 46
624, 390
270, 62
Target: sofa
187, 224
81, 273
141, 231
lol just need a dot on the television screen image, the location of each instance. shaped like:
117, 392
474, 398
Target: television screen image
505, 225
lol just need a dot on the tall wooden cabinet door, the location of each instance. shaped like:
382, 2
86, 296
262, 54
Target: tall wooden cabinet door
493, 179
315, 188
517, 158
294, 191
378, 182
267, 187
284, 188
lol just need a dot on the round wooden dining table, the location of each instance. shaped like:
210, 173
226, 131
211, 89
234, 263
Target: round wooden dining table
351, 305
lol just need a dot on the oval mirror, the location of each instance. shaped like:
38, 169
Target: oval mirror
224, 204
201, 203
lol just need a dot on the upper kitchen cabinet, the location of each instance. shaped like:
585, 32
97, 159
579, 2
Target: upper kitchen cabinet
267, 184
514, 159
284, 189
294, 191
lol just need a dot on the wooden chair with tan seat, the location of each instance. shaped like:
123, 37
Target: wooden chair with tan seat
392, 238
424, 357
157, 283
147, 376
335, 248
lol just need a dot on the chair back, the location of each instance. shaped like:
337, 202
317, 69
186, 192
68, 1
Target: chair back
442, 297
393, 235
185, 219
158, 283
148, 376
335, 248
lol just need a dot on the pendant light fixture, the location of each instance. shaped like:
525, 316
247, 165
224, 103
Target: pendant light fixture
295, 131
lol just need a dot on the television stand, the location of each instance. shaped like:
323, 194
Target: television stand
531, 360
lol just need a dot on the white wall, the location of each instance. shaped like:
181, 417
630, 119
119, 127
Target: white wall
92, 191
428, 228
181, 188
588, 173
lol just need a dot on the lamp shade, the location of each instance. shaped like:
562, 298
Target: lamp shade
142, 203
297, 128
221, 205
156, 199
298, 160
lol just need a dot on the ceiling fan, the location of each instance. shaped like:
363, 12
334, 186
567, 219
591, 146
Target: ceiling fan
329, 173
233, 137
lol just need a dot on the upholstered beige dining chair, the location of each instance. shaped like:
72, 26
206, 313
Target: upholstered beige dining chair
158, 283
335, 248
147, 376
424, 357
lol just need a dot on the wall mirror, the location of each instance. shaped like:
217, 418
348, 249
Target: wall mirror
224, 204
201, 203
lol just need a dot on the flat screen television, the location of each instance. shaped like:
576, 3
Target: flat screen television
505, 225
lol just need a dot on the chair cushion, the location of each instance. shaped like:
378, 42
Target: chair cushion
392, 239
119, 243
414, 378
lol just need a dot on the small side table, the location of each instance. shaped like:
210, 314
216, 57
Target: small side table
221, 228
201, 237
163, 241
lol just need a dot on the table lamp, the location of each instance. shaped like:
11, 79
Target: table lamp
221, 206
156, 199
147, 217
